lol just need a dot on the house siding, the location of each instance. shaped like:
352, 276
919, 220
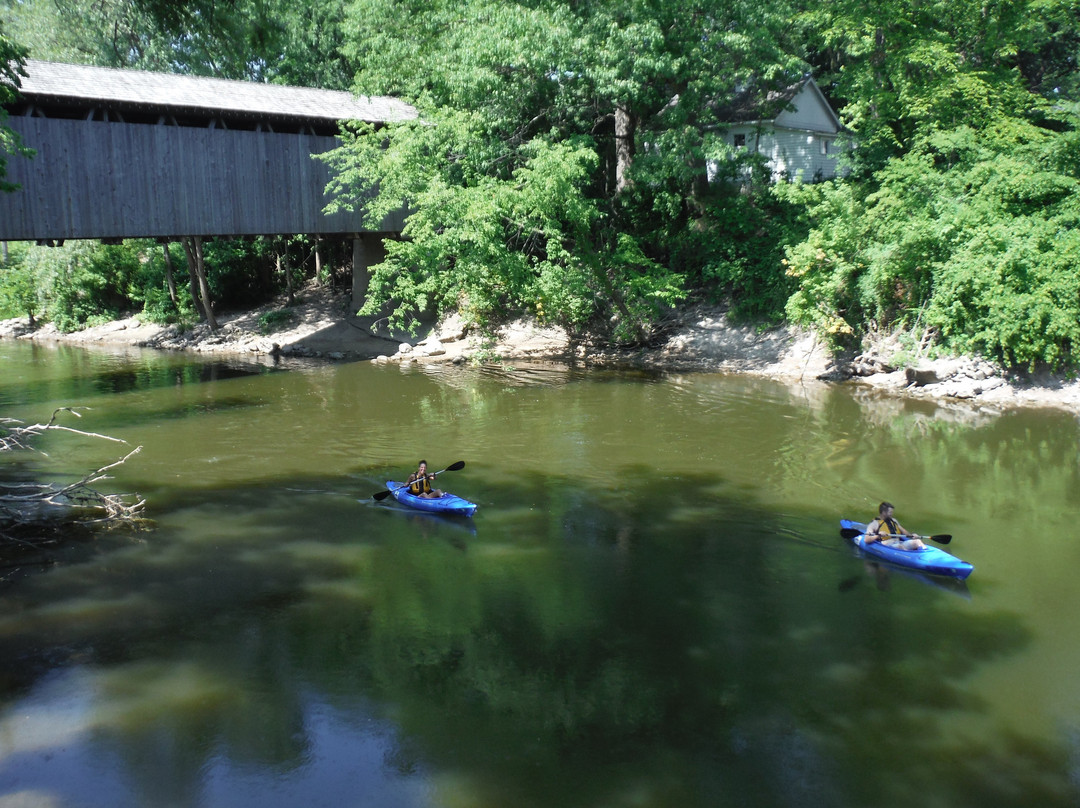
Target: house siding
801, 143
796, 155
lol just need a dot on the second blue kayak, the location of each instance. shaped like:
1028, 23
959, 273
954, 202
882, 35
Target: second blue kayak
932, 560
447, 503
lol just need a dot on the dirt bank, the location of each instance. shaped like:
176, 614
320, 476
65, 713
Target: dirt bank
321, 326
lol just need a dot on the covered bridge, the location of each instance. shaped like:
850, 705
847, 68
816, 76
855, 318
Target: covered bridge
134, 154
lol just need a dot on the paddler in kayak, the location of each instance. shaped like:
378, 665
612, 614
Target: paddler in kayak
886, 530
420, 483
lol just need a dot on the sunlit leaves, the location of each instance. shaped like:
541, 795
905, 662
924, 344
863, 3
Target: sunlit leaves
476, 240
262, 40
972, 234
530, 195
11, 60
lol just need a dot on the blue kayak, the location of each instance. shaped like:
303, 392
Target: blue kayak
931, 560
447, 503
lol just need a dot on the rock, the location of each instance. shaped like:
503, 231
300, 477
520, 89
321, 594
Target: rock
868, 364
934, 372
451, 329
431, 347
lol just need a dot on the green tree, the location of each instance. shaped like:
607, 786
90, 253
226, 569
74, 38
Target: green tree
259, 40
961, 228
560, 146
12, 57
19, 291
899, 69
969, 239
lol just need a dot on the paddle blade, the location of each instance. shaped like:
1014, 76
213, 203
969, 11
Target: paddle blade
458, 466
942, 538
850, 532
379, 496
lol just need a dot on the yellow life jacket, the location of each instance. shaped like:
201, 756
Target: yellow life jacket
889, 526
420, 486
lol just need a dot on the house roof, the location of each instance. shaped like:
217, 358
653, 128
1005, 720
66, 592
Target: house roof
748, 107
87, 84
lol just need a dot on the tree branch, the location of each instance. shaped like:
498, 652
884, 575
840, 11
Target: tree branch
38, 509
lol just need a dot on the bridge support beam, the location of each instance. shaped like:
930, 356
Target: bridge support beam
367, 251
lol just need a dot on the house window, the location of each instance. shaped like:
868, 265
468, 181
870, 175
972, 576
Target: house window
739, 141
824, 146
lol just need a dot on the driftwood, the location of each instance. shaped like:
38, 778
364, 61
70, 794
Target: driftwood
32, 512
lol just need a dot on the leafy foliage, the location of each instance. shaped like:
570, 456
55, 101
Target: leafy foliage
20, 295
561, 165
971, 234
11, 61
83, 282
258, 40
276, 320
517, 187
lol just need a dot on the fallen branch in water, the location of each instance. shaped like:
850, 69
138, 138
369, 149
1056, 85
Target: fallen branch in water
17, 437
31, 513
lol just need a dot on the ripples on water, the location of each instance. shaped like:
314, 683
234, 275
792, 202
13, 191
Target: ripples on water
652, 605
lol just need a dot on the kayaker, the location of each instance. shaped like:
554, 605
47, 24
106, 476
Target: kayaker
420, 483
885, 529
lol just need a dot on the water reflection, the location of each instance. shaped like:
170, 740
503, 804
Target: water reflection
880, 575
645, 609
581, 655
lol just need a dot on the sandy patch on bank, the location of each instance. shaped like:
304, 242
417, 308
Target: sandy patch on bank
322, 325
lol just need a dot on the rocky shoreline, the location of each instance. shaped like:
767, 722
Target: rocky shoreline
320, 326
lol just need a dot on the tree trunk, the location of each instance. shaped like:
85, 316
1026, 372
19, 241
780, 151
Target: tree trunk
283, 266
169, 278
193, 278
193, 249
625, 126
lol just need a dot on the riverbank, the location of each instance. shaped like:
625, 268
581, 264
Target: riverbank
321, 326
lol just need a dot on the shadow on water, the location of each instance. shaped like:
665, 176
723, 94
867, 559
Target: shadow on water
616, 632
591, 646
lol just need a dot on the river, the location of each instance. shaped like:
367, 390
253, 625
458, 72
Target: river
652, 606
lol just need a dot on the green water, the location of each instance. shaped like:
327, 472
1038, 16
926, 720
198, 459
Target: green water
652, 606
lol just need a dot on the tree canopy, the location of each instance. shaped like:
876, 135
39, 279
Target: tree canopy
570, 158
561, 157
962, 224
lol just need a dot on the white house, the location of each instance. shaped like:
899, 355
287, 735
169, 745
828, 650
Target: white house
794, 129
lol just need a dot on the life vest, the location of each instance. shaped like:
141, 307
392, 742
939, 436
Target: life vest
419, 486
888, 526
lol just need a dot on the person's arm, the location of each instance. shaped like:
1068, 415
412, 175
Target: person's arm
903, 531
872, 529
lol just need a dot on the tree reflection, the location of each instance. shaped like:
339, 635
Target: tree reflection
611, 647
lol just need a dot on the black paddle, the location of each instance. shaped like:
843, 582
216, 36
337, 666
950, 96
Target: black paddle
379, 496
851, 533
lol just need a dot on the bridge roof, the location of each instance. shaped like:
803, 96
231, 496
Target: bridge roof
90, 85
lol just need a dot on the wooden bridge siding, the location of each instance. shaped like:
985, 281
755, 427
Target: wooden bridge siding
92, 179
